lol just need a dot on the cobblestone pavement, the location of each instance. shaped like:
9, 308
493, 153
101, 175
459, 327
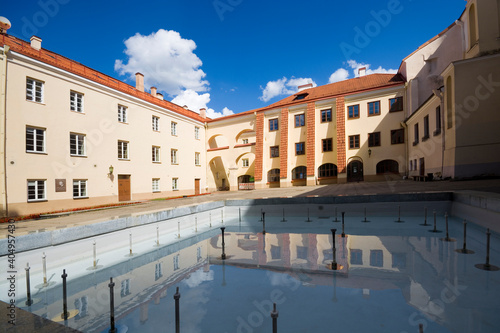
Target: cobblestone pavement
491, 186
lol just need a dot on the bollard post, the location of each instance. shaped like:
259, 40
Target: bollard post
210, 218
223, 257
274, 316
221, 216
365, 219
334, 250
435, 223
29, 301
336, 219
178, 229
425, 217
263, 223
487, 266
111, 306
157, 235
44, 268
343, 233
94, 255
464, 248
283, 220
130, 243
64, 314
308, 219
177, 296
447, 238
420, 328
399, 215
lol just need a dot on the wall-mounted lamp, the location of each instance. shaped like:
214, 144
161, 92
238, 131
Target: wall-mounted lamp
369, 152
110, 171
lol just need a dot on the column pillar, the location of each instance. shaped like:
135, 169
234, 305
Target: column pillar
341, 149
310, 143
284, 148
259, 150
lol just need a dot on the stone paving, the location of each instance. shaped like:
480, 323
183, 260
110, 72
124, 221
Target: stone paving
491, 186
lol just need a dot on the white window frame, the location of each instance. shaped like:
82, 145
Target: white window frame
122, 114
80, 185
76, 101
197, 133
176, 262
37, 183
156, 123
173, 156
123, 149
175, 184
245, 162
156, 154
173, 128
32, 88
155, 185
35, 132
77, 150
197, 159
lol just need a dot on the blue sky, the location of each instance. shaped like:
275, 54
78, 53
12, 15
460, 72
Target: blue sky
232, 55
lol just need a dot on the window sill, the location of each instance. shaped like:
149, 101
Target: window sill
374, 115
415, 143
198, 165
391, 111
156, 131
437, 132
329, 177
38, 200
352, 118
175, 189
80, 198
40, 103
123, 122
79, 112
156, 162
397, 143
274, 156
123, 159
74, 155
36, 152
156, 191
425, 138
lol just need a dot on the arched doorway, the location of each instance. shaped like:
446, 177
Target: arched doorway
355, 170
246, 182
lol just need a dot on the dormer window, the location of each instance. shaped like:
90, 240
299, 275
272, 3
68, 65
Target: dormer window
300, 96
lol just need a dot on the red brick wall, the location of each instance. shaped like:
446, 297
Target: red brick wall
341, 153
284, 143
259, 146
311, 138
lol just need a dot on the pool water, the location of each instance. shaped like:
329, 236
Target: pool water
391, 277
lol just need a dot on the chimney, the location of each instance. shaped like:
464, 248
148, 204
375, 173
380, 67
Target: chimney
36, 42
362, 71
159, 96
305, 86
185, 107
153, 91
139, 81
203, 113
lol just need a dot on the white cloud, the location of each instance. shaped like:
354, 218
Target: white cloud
356, 66
340, 74
283, 87
195, 102
166, 60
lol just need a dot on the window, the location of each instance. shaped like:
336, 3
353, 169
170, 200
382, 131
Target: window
197, 133
125, 288
449, 102
387, 166
275, 252
353, 111
79, 189
356, 257
156, 184
438, 121
245, 162
302, 252
173, 128
244, 141
156, 154
34, 90
411, 165
399, 260
77, 144
300, 148
196, 158
158, 271
353, 141
156, 124
397, 136
396, 104
273, 124
415, 131
326, 116
36, 190
173, 156
374, 108
175, 183
374, 139
35, 140
415, 167
273, 176
472, 26
327, 145
327, 170
299, 173
376, 258
426, 128
76, 101
122, 114
300, 120
123, 150
275, 151
300, 96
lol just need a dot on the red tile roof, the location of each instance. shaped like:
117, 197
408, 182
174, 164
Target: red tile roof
332, 90
54, 59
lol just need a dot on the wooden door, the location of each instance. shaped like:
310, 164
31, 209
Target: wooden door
355, 171
124, 188
196, 186
422, 167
